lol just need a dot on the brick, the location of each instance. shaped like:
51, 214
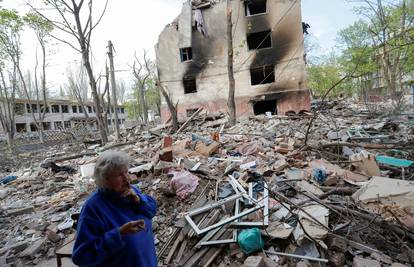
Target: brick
166, 154
254, 261
52, 236
207, 150
168, 141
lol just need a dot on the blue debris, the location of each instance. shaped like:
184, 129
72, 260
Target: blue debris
250, 241
8, 179
319, 175
400, 163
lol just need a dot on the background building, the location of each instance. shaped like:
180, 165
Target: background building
60, 114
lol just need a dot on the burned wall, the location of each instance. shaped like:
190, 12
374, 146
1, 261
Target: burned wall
209, 63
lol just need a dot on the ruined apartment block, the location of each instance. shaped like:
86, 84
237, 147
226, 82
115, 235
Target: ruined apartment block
269, 60
60, 114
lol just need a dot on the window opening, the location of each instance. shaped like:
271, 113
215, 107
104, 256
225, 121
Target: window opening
259, 40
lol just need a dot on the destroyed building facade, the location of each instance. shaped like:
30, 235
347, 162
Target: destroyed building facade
269, 58
60, 114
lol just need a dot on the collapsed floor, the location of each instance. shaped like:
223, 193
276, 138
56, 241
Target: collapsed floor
266, 192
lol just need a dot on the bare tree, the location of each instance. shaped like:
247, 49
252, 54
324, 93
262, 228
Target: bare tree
232, 84
142, 72
42, 29
77, 86
7, 106
73, 24
113, 85
10, 28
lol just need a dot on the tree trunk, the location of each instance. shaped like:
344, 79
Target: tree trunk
142, 101
232, 84
10, 139
115, 102
86, 62
171, 107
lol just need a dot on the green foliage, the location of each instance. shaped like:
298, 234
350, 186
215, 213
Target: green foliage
152, 98
322, 76
357, 51
41, 26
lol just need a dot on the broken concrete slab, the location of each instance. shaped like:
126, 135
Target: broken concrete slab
16, 247
254, 261
363, 262
33, 249
279, 230
382, 194
17, 212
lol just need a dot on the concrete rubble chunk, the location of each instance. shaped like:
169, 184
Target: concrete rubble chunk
33, 249
396, 264
363, 262
16, 247
17, 212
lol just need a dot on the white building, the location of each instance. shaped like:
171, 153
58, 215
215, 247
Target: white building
60, 114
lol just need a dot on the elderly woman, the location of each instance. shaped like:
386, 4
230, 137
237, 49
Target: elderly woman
115, 227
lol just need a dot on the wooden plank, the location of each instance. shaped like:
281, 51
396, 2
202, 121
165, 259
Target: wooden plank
181, 251
174, 247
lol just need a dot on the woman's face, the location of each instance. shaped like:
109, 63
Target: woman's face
118, 180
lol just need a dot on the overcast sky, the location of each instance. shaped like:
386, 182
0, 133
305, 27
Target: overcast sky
134, 25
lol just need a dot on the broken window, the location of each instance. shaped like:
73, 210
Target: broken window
80, 109
21, 127
33, 127
122, 110
190, 85
29, 110
255, 7
89, 109
67, 124
186, 54
75, 109
19, 109
42, 109
259, 40
262, 75
47, 126
261, 107
55, 109
58, 125
34, 108
65, 109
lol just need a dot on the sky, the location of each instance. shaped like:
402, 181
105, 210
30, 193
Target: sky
134, 25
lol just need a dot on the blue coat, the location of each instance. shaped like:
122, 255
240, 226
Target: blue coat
98, 241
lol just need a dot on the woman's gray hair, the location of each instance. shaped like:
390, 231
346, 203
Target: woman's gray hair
108, 162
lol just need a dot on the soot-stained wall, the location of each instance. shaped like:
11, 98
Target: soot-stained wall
209, 64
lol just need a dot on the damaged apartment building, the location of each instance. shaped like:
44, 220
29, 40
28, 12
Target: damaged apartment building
269, 59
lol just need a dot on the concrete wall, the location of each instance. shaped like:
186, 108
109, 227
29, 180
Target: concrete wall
209, 64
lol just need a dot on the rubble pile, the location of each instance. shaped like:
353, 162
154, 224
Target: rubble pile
269, 191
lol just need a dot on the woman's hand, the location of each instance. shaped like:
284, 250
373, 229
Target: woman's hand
130, 194
132, 227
